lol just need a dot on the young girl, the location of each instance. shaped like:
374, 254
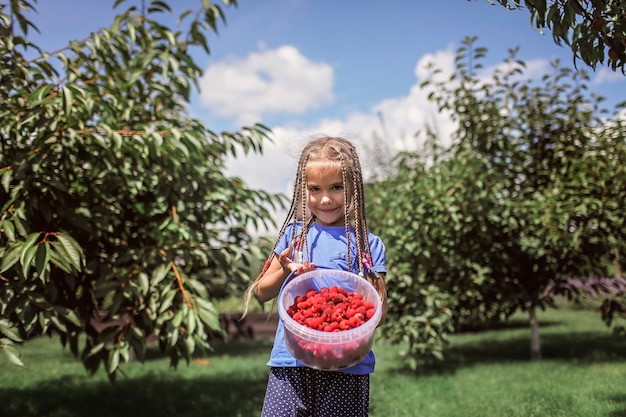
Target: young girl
326, 227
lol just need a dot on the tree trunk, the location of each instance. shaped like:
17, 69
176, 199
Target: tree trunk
535, 340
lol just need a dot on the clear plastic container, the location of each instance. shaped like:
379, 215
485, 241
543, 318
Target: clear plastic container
328, 350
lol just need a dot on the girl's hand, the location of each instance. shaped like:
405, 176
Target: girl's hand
290, 266
305, 267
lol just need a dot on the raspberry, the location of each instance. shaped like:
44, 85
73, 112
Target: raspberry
334, 309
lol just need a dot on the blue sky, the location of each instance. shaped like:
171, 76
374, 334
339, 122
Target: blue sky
305, 67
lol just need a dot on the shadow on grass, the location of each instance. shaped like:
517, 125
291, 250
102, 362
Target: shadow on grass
511, 324
575, 348
621, 399
152, 394
232, 348
149, 396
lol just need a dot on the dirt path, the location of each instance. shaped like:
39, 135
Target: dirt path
256, 325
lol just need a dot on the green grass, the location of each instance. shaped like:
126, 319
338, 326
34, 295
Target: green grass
486, 374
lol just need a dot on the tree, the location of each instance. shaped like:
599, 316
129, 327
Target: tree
403, 208
116, 216
595, 30
529, 196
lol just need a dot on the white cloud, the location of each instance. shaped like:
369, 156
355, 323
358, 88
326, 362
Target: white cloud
274, 81
605, 75
402, 117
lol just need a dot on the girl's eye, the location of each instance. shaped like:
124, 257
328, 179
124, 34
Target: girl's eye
338, 187
313, 189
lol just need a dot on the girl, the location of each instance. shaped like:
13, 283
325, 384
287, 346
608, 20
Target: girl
325, 228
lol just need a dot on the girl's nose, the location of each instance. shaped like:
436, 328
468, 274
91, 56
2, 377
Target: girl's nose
325, 199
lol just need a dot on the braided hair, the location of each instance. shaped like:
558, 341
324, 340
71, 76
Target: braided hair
327, 152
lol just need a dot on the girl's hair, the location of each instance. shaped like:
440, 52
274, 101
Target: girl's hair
326, 153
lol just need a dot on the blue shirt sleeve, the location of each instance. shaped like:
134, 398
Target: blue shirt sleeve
283, 242
379, 255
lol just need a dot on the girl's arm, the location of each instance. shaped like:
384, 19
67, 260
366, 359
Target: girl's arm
280, 268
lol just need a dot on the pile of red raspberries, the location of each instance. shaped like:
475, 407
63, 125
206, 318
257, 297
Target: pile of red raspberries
331, 309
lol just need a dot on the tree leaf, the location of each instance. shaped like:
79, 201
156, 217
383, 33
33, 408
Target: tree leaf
73, 249
159, 273
7, 227
59, 260
113, 361
7, 176
27, 247
11, 257
27, 258
12, 354
42, 258
9, 331
67, 314
68, 100
60, 326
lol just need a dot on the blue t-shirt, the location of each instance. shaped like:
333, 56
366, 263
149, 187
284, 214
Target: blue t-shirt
328, 250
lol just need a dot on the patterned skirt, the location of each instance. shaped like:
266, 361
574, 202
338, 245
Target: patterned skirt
307, 392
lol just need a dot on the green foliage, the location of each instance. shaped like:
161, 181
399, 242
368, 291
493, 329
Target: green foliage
529, 196
404, 210
116, 217
595, 30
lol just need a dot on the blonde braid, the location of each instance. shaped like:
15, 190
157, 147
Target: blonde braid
304, 241
292, 217
358, 222
359, 210
346, 211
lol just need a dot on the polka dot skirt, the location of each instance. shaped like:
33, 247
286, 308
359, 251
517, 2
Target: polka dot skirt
307, 392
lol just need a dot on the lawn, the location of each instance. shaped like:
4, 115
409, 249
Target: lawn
486, 374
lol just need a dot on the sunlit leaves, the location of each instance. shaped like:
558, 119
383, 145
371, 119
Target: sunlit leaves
526, 198
117, 217
594, 30
10, 351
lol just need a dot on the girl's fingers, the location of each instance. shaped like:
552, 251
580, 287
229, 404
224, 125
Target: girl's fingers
284, 258
305, 267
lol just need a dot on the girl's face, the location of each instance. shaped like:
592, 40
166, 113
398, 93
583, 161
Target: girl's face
325, 194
